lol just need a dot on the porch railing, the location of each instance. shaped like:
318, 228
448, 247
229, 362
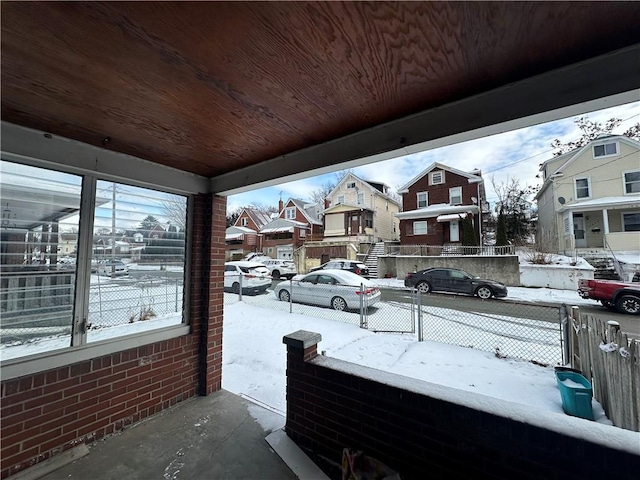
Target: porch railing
450, 250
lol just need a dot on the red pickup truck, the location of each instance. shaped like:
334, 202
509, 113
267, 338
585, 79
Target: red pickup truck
621, 296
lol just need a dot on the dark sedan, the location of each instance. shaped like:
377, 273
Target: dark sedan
454, 281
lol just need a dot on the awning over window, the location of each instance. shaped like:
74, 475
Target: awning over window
233, 236
451, 216
277, 230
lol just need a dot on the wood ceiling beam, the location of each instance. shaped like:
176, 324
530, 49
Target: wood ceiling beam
601, 82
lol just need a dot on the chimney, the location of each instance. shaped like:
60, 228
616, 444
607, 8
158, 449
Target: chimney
280, 205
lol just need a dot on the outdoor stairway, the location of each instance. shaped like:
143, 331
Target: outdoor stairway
372, 259
604, 268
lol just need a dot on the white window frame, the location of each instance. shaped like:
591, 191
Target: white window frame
433, 174
426, 199
575, 188
603, 144
359, 200
451, 190
244, 221
303, 233
420, 222
340, 199
622, 214
624, 182
290, 213
351, 184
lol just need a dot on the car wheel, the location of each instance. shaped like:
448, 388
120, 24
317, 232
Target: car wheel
284, 296
628, 304
423, 287
484, 292
338, 303
235, 288
275, 274
608, 305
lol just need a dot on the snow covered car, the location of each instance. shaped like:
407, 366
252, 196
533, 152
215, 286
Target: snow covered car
338, 289
280, 268
112, 268
253, 276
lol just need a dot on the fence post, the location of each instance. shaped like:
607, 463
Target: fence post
362, 322
564, 332
575, 317
419, 305
291, 295
240, 289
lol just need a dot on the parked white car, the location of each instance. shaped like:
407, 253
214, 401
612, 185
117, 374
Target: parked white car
338, 289
280, 268
112, 268
253, 276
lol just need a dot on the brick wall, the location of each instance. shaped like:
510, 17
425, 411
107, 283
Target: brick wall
332, 405
49, 412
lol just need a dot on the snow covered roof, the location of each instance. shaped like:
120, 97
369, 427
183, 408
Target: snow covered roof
439, 209
474, 177
451, 216
282, 225
344, 207
604, 202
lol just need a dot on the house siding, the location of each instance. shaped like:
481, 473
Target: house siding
49, 412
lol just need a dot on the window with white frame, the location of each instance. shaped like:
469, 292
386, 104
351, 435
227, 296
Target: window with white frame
423, 199
605, 150
107, 295
290, 213
436, 178
303, 233
582, 189
631, 222
244, 221
420, 228
455, 195
340, 199
351, 184
631, 182
360, 198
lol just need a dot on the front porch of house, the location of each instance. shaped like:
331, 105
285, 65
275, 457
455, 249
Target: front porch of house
612, 228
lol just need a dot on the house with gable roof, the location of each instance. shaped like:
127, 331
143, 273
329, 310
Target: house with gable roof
590, 197
361, 211
243, 236
435, 203
297, 222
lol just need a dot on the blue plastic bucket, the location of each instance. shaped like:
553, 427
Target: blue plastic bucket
576, 394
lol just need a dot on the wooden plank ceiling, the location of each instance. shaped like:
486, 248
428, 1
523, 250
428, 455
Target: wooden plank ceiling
213, 87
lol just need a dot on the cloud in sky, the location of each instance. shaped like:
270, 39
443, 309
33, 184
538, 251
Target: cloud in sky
515, 154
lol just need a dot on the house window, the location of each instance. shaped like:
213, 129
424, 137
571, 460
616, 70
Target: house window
436, 178
340, 199
605, 150
351, 184
244, 221
290, 213
455, 196
631, 222
423, 199
632, 182
130, 225
420, 228
303, 233
582, 188
360, 198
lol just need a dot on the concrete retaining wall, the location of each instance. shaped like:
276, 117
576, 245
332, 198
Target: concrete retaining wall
561, 277
503, 268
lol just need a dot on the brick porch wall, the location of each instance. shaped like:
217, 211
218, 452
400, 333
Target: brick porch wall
332, 405
49, 412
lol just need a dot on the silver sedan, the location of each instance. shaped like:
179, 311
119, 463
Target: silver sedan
338, 289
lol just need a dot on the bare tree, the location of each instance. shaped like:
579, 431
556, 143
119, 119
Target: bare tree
319, 194
590, 131
175, 209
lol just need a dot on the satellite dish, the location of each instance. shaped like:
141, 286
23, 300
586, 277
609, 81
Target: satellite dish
474, 199
561, 200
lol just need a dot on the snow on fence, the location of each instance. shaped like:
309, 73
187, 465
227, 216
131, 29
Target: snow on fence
611, 361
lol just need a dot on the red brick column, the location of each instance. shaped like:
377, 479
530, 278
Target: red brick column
209, 227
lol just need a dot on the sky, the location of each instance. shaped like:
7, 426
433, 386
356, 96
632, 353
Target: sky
515, 154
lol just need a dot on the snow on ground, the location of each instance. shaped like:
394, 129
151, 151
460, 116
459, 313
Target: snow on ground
254, 359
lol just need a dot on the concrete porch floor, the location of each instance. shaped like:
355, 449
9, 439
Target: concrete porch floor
215, 437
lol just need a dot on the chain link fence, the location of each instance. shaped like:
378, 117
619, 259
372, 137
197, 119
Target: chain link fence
507, 329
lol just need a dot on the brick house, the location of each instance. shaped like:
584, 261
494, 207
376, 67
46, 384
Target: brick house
436, 201
296, 223
243, 237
